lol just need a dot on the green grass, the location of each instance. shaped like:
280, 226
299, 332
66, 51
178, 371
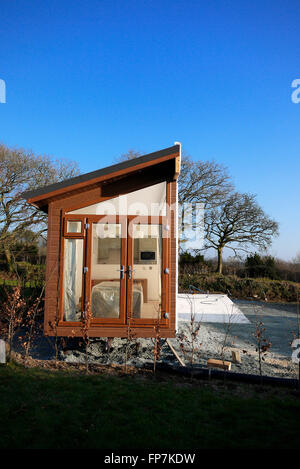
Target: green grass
54, 409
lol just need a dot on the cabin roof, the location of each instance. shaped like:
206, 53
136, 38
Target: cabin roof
38, 197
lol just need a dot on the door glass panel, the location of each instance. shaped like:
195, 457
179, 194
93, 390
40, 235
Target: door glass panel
147, 271
73, 267
105, 270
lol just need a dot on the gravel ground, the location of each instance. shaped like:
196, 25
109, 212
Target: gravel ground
210, 343
214, 340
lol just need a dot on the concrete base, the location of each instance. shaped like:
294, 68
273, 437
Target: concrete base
208, 308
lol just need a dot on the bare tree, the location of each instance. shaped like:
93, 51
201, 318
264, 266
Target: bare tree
22, 171
205, 182
238, 224
263, 344
296, 260
129, 155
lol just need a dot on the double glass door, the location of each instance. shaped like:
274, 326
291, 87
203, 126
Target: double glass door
125, 269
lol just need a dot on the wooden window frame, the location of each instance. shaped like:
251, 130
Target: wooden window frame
65, 235
73, 218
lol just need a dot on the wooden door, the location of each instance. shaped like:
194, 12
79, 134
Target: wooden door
106, 275
147, 271
127, 279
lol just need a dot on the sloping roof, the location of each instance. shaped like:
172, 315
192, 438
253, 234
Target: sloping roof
85, 179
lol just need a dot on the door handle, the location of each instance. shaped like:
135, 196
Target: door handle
130, 270
122, 272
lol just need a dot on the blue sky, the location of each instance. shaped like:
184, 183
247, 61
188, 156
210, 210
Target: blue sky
87, 80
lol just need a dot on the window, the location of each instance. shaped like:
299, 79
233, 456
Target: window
147, 271
73, 226
72, 279
105, 270
150, 201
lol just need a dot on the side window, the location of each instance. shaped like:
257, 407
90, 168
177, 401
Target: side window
73, 263
73, 227
72, 279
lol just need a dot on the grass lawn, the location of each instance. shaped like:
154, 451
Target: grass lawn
60, 409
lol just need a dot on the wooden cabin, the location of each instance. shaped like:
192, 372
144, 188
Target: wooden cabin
112, 248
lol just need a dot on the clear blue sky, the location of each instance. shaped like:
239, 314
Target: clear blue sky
87, 80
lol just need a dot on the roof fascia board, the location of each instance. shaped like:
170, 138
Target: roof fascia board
50, 195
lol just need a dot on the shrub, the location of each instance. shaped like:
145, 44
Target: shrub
273, 290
